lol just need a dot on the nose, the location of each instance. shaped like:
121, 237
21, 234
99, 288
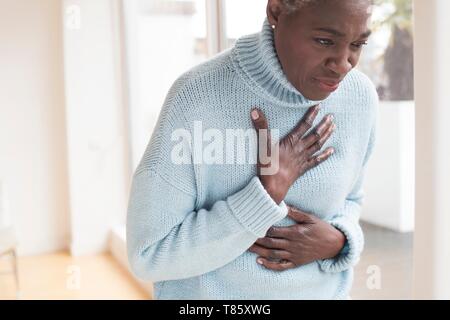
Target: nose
341, 63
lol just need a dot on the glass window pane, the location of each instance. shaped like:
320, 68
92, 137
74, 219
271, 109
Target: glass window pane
388, 58
171, 38
238, 20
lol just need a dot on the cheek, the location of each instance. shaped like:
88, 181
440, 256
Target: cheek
303, 66
356, 59
307, 62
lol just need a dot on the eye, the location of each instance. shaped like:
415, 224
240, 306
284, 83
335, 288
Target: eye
324, 42
359, 45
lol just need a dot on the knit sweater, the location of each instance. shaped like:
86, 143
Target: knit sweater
190, 224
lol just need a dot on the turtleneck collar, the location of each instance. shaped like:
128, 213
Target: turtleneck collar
257, 62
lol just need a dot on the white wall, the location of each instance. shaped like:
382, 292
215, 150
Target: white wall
431, 68
389, 180
63, 124
98, 152
32, 123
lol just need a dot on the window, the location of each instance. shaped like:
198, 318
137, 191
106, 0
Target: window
164, 39
167, 37
390, 63
237, 21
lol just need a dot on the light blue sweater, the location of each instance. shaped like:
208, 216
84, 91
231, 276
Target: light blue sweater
189, 225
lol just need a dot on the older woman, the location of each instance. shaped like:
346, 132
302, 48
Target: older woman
225, 230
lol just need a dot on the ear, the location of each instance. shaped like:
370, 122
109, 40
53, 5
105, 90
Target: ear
274, 10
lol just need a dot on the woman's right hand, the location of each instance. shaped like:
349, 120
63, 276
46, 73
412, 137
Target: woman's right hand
296, 151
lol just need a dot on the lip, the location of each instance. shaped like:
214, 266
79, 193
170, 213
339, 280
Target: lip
327, 85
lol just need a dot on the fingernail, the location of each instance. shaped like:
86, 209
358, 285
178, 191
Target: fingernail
255, 115
332, 127
331, 117
259, 261
331, 151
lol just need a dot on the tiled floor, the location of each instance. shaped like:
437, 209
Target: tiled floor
389, 255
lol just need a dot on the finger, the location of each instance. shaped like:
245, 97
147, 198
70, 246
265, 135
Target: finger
319, 144
264, 140
269, 253
259, 119
279, 232
273, 243
277, 266
299, 216
317, 132
323, 156
306, 122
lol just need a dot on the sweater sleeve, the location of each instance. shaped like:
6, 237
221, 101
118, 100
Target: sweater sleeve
167, 239
347, 219
168, 236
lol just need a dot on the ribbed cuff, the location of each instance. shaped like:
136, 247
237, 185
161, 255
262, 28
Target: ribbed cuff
350, 254
255, 209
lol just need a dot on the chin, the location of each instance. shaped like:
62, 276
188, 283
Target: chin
311, 92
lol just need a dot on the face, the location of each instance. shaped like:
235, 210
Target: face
320, 43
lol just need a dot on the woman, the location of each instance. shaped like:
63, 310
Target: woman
286, 228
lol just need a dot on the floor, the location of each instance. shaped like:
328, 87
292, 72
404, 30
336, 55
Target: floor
60, 276
384, 272
385, 268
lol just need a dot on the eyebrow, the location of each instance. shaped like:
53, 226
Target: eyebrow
340, 34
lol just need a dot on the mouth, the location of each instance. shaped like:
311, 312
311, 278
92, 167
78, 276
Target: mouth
327, 85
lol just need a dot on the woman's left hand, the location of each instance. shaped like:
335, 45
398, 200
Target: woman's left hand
288, 247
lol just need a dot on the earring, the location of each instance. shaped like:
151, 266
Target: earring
273, 26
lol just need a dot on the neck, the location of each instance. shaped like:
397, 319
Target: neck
257, 62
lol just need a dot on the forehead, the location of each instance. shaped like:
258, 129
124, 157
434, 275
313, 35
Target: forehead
350, 17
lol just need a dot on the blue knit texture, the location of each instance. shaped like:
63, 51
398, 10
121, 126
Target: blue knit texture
189, 226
